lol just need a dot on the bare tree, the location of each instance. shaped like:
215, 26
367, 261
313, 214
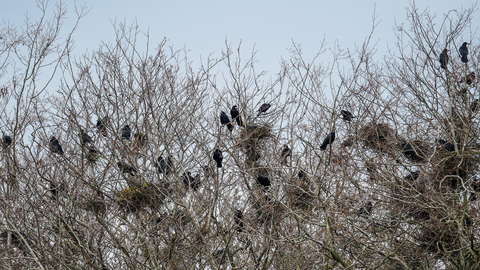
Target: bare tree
119, 166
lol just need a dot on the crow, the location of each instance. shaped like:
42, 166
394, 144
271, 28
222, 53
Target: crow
160, 165
412, 176
264, 181
218, 157
126, 132
302, 175
125, 168
328, 140
236, 115
286, 152
101, 128
85, 138
474, 106
366, 210
409, 152
448, 146
55, 146
238, 218
347, 116
7, 140
464, 52
190, 181
443, 59
264, 108
225, 121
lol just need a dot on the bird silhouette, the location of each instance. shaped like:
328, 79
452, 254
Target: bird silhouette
126, 132
125, 168
218, 157
7, 140
443, 59
474, 106
236, 115
160, 164
409, 152
286, 152
225, 121
55, 146
346, 115
190, 181
264, 108
448, 146
264, 181
85, 138
328, 140
238, 218
464, 52
366, 210
101, 128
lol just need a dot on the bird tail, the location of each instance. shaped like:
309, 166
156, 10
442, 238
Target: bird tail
323, 146
464, 59
219, 164
230, 127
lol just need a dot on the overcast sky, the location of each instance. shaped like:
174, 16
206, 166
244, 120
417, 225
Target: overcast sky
270, 26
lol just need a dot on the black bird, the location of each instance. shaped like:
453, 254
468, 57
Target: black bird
474, 106
412, 176
470, 78
160, 164
409, 152
286, 152
126, 132
218, 157
263, 108
236, 115
328, 140
347, 116
475, 185
238, 218
125, 168
264, 181
302, 175
225, 121
101, 128
450, 147
190, 181
55, 146
464, 52
7, 140
366, 210
443, 59
54, 189
85, 138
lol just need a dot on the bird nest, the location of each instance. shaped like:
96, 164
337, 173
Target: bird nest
377, 136
150, 195
453, 166
251, 136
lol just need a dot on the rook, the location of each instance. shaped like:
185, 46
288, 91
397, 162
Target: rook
264, 108
126, 132
236, 115
328, 140
225, 121
464, 52
218, 157
55, 146
443, 59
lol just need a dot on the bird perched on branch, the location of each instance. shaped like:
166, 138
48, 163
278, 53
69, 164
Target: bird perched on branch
126, 132
366, 210
7, 140
160, 165
225, 121
448, 146
469, 78
101, 127
85, 138
443, 59
218, 157
125, 168
236, 115
474, 106
286, 152
264, 181
346, 115
463, 52
190, 181
328, 140
55, 146
264, 108
238, 218
409, 152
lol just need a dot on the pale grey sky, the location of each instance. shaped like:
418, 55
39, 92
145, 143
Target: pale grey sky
203, 26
